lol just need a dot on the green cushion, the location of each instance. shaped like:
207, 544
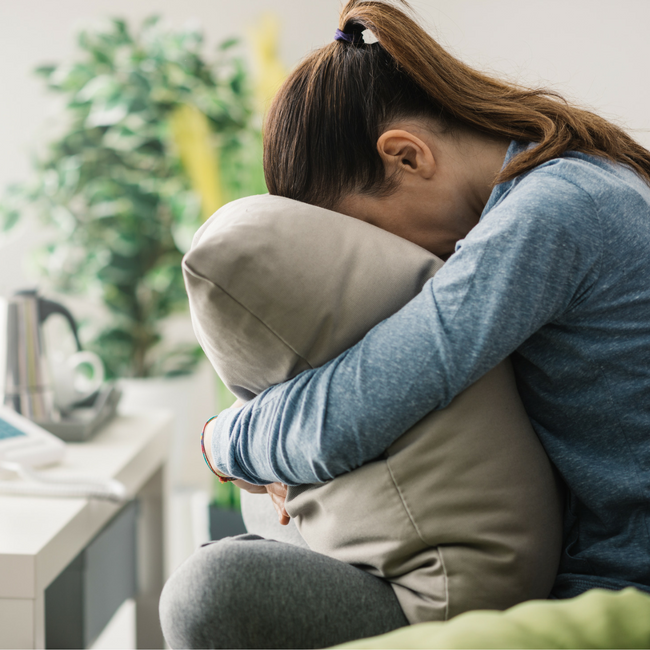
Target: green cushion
596, 619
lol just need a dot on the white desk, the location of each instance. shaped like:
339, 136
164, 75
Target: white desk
39, 537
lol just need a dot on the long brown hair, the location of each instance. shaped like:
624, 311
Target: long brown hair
322, 127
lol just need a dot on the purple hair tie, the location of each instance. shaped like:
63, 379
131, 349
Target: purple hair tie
355, 37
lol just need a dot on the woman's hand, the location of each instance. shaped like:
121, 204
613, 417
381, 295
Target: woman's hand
277, 492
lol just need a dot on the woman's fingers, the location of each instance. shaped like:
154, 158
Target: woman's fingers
278, 494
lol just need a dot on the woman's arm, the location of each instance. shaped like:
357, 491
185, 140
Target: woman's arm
525, 264
277, 491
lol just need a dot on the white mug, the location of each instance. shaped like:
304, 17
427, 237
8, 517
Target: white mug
71, 384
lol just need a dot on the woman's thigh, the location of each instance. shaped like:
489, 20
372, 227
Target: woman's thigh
249, 592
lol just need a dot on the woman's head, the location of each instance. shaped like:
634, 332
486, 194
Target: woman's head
323, 127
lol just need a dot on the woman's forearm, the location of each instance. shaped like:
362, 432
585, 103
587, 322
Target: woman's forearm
330, 420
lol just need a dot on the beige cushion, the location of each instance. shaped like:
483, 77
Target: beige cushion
462, 512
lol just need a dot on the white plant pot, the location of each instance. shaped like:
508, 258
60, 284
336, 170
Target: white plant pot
192, 400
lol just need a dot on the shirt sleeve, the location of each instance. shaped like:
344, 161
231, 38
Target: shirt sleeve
528, 261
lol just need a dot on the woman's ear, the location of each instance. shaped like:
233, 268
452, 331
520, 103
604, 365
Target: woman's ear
401, 151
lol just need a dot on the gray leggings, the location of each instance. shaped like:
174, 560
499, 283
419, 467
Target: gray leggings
251, 592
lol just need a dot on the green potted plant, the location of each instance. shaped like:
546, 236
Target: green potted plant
224, 511
155, 138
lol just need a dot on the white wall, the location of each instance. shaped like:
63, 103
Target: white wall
594, 51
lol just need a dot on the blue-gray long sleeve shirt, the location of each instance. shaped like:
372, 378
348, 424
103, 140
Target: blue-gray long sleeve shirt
556, 274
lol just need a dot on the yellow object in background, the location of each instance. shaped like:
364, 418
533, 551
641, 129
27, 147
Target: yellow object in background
270, 72
193, 139
190, 128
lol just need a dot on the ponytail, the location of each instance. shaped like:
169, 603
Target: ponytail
322, 127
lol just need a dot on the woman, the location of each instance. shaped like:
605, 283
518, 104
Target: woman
543, 212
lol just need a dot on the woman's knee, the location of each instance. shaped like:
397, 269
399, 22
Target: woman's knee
203, 604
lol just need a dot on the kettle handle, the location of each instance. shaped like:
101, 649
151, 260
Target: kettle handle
48, 307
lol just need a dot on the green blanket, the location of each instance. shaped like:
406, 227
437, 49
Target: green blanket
596, 619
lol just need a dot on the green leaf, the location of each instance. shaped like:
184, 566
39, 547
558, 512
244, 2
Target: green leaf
228, 44
45, 70
112, 189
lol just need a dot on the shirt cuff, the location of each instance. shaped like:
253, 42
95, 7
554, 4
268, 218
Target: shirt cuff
223, 447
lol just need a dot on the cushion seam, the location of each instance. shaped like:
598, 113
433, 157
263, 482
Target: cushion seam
444, 572
417, 530
405, 506
245, 308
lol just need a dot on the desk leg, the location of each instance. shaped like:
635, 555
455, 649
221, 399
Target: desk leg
150, 562
22, 622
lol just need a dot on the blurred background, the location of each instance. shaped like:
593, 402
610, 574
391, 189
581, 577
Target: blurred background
123, 125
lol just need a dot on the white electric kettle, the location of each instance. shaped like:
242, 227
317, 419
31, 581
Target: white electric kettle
28, 384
